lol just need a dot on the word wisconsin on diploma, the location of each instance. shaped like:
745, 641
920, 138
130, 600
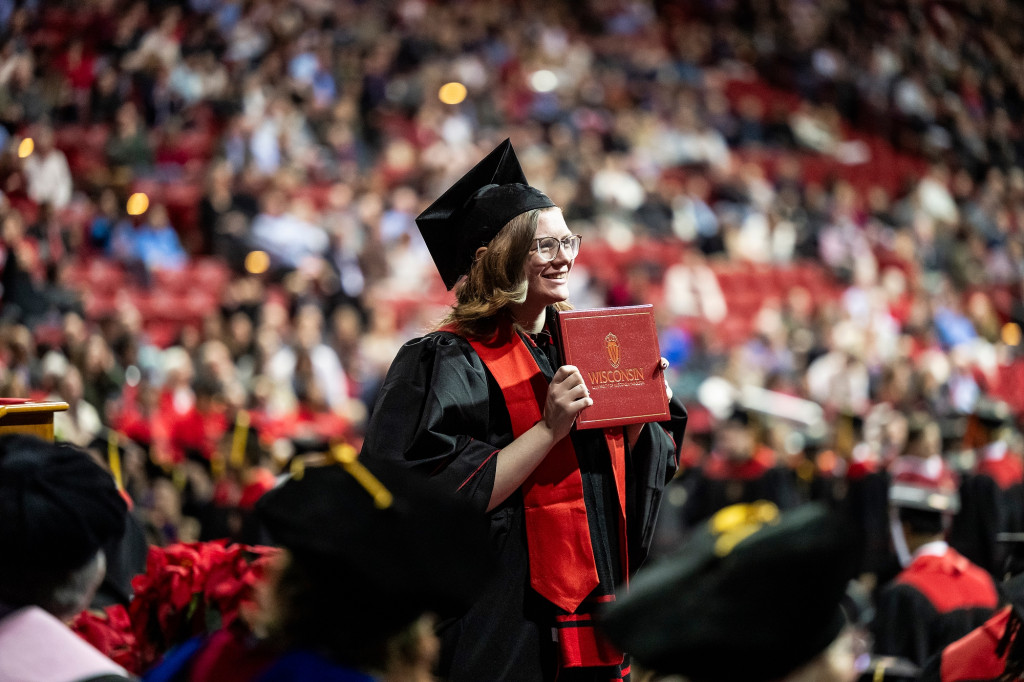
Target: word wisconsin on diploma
616, 376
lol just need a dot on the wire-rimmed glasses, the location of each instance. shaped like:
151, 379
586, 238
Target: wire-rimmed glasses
547, 247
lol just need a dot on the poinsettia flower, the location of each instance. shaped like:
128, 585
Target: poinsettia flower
190, 589
110, 631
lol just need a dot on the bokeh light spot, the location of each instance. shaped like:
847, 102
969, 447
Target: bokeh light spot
1011, 334
257, 262
138, 203
26, 148
452, 93
543, 81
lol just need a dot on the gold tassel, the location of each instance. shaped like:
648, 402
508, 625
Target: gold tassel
345, 455
240, 439
114, 458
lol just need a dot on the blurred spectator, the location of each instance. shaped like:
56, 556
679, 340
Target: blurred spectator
80, 423
156, 243
128, 148
219, 208
106, 221
47, 176
285, 236
741, 468
308, 364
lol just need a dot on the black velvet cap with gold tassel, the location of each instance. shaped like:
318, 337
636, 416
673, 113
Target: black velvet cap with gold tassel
752, 596
405, 547
473, 210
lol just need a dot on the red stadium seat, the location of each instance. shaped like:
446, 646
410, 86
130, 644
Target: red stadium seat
208, 274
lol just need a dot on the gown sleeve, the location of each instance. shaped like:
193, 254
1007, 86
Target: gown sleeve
654, 459
433, 414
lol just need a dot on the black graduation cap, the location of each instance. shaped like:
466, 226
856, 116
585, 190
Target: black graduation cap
752, 596
473, 210
58, 507
418, 551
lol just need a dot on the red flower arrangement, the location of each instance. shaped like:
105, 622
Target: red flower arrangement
111, 632
187, 590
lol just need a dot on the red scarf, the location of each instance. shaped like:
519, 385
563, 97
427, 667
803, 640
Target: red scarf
561, 555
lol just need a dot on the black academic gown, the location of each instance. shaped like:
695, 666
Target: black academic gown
992, 502
441, 412
932, 603
720, 485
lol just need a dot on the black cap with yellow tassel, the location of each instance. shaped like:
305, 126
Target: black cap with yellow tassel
402, 543
752, 596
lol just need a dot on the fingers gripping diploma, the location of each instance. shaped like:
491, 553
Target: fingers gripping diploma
664, 376
567, 396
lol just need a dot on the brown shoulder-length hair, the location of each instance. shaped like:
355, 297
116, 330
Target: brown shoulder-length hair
495, 281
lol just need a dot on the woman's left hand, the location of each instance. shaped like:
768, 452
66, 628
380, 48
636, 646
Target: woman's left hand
633, 431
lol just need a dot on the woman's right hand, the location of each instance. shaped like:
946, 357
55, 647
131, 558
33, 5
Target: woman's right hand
567, 396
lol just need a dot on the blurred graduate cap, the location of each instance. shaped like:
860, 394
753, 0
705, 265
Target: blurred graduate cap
58, 507
473, 210
405, 547
752, 596
925, 484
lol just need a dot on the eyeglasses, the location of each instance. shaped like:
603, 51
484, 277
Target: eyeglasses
547, 247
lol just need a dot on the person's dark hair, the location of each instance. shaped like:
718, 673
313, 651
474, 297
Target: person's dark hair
922, 522
60, 592
319, 607
495, 280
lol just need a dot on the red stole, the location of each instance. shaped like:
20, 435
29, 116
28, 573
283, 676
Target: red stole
561, 555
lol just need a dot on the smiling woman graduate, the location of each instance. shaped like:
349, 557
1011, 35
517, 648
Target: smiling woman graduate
483, 407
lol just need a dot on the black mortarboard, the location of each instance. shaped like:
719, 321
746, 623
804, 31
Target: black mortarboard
57, 506
752, 596
473, 210
422, 552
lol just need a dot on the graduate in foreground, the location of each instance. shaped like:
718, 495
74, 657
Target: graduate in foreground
754, 596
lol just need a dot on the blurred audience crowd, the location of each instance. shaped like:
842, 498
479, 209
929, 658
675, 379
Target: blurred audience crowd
284, 148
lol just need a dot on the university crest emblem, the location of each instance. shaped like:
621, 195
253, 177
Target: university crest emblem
611, 344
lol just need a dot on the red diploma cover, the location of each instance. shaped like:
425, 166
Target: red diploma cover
616, 351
